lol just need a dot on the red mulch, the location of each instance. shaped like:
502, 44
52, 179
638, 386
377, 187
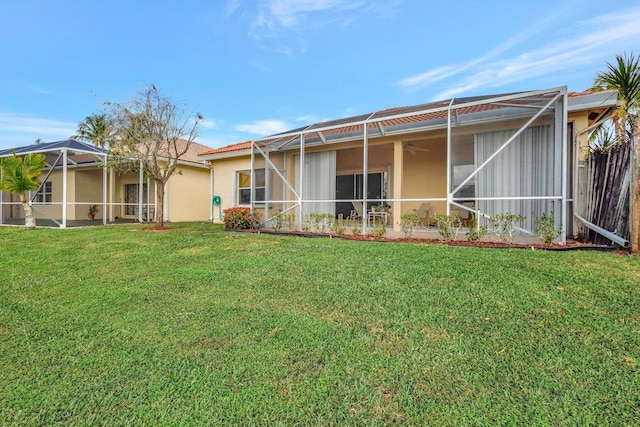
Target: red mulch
571, 244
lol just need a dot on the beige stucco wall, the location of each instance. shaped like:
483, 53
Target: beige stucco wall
187, 195
89, 191
223, 178
580, 122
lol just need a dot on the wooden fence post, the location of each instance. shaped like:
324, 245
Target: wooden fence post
634, 203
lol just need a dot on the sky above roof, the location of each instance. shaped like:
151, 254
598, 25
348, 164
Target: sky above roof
255, 68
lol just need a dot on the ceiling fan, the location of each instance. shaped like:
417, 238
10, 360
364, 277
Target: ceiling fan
412, 148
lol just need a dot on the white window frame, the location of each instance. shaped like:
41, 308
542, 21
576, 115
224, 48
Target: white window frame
44, 196
238, 189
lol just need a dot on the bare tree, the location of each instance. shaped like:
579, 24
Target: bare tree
153, 133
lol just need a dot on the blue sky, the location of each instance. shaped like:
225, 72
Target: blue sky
254, 68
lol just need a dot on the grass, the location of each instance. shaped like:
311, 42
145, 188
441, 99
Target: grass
195, 326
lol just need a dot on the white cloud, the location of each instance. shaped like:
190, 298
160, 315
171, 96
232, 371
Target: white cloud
23, 129
37, 89
594, 40
264, 127
290, 13
208, 124
276, 18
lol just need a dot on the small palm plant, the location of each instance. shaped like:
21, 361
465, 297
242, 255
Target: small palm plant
19, 175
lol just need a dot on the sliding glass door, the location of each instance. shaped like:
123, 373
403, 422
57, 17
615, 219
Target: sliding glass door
349, 187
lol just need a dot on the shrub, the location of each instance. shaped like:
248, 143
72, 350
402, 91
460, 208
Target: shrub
279, 220
546, 228
448, 226
356, 227
291, 222
305, 224
476, 232
239, 218
505, 225
378, 228
320, 221
338, 225
408, 222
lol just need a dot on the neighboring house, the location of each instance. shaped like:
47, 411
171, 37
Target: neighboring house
75, 179
475, 157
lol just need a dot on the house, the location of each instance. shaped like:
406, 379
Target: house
75, 179
474, 157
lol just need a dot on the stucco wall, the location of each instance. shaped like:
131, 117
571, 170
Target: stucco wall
55, 209
188, 195
89, 186
223, 178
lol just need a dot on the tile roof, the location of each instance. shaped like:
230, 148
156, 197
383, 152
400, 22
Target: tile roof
350, 125
194, 151
240, 146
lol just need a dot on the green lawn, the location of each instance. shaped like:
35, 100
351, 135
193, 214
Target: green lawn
195, 326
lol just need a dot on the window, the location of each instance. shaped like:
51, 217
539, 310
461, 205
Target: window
44, 195
244, 186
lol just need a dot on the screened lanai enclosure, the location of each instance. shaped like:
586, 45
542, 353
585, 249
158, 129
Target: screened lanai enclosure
76, 178
473, 157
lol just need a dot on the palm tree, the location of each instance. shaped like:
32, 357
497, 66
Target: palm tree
19, 175
623, 76
96, 129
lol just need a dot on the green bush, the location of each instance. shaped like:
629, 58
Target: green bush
338, 225
356, 227
408, 223
279, 220
505, 225
476, 232
239, 218
448, 226
320, 222
546, 228
378, 228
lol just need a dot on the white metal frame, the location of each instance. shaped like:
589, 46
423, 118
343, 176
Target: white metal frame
281, 142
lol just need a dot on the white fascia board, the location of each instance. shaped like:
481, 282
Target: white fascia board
239, 153
603, 99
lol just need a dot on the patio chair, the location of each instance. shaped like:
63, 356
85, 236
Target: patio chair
356, 212
423, 212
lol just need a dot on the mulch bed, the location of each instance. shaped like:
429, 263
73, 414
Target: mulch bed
570, 245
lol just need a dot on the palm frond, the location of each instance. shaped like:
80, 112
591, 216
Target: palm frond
20, 174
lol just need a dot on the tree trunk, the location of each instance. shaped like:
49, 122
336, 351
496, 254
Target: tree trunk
159, 204
29, 219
